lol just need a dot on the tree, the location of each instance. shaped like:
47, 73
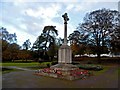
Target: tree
115, 42
5, 45
14, 51
75, 49
77, 42
9, 46
5, 35
75, 37
45, 40
59, 41
26, 44
10, 52
39, 46
100, 25
52, 51
12, 38
50, 33
24, 55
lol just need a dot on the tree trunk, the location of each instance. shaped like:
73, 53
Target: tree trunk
98, 58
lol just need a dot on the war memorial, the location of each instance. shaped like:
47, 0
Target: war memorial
64, 69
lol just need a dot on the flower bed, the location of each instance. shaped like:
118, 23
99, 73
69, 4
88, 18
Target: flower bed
74, 74
80, 73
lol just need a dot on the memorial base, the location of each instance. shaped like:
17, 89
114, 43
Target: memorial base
64, 71
65, 54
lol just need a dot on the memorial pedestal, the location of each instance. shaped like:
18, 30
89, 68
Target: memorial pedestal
65, 54
64, 63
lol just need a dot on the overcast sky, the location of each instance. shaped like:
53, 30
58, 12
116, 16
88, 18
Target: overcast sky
27, 18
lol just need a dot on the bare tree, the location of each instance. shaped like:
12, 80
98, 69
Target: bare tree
100, 26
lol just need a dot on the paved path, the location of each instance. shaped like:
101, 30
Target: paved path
19, 68
27, 79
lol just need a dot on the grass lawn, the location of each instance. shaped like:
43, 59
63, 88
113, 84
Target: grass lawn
19, 64
0, 64
32, 64
6, 70
101, 71
119, 71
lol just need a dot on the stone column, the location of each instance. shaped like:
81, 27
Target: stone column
65, 27
119, 9
119, 6
65, 53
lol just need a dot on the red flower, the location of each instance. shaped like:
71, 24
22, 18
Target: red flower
59, 72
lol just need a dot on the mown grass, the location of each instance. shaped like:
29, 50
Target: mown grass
119, 71
92, 68
6, 70
32, 65
0, 64
20, 64
105, 68
23, 60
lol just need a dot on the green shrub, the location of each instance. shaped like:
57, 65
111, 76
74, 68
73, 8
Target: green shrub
54, 62
90, 67
48, 65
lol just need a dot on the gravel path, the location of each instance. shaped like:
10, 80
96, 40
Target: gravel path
27, 79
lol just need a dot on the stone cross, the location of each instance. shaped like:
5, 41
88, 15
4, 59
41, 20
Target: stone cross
65, 17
